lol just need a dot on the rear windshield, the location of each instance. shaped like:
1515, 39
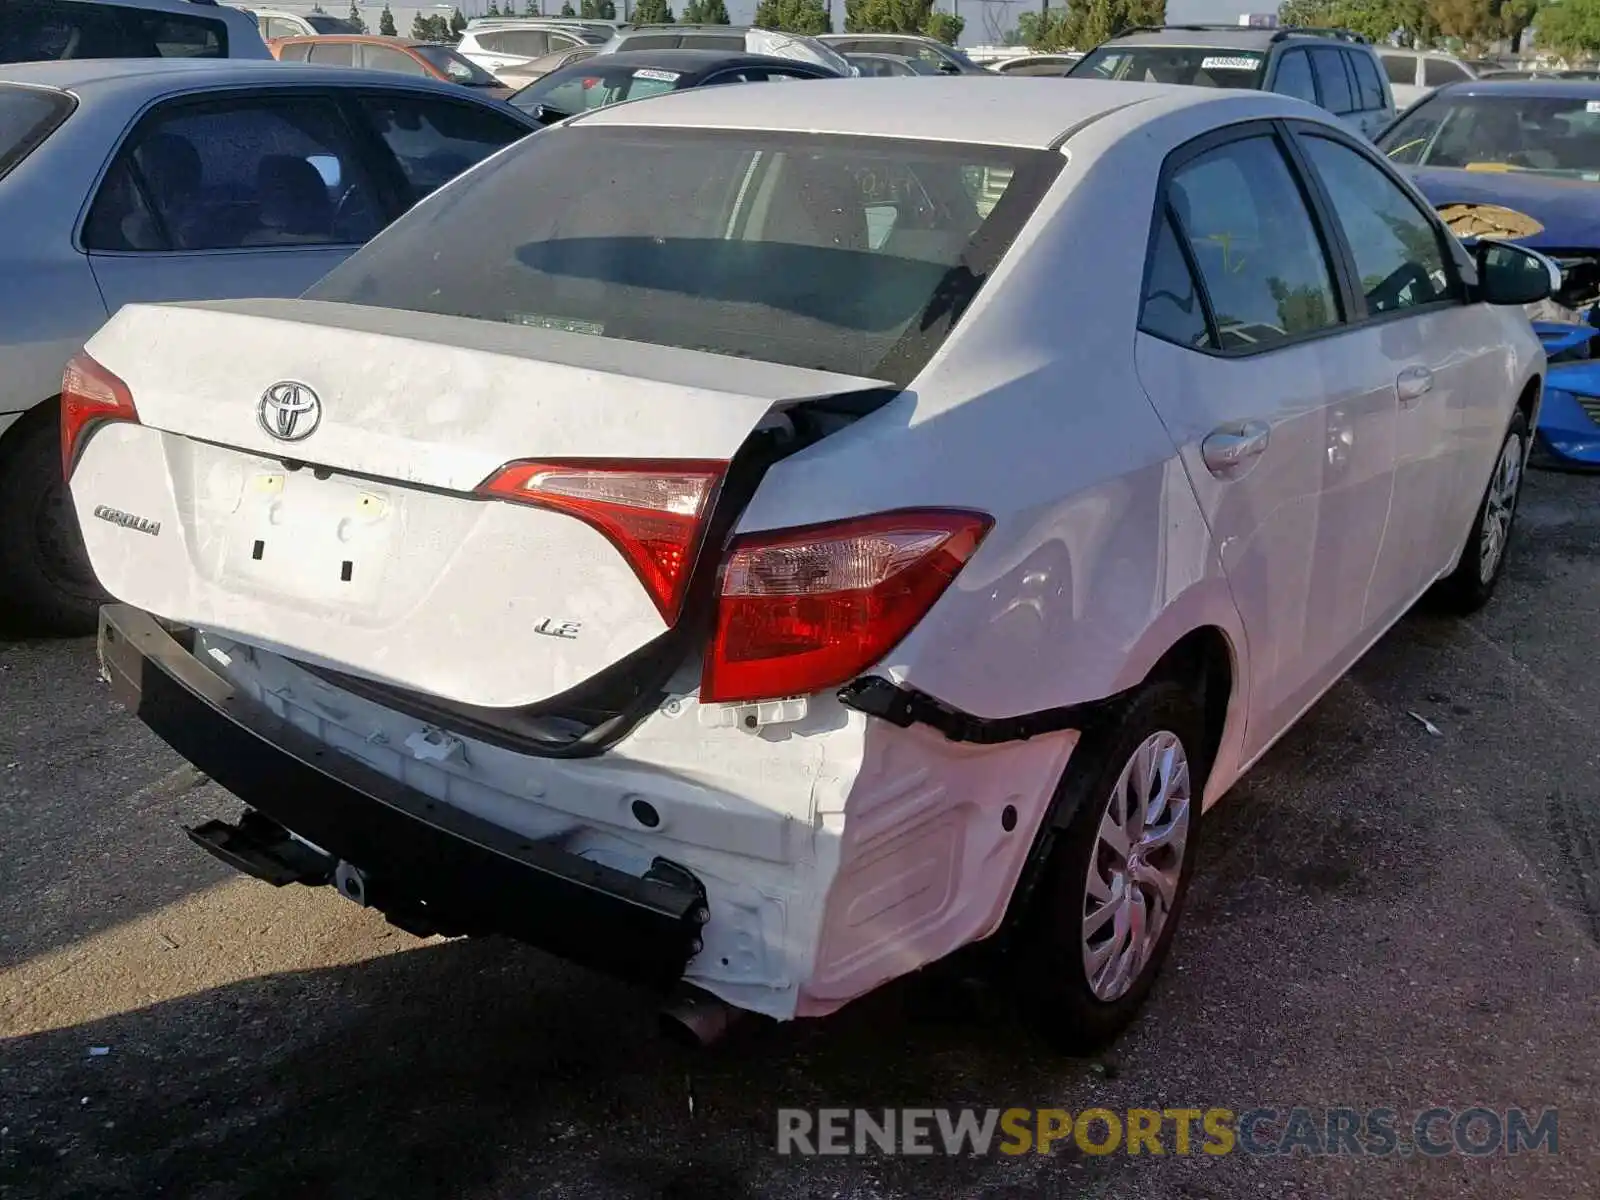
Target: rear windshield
459, 70
844, 254
323, 23
1197, 66
27, 117
594, 84
43, 30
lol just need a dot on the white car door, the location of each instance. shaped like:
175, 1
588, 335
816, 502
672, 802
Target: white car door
230, 196
1289, 450
1439, 357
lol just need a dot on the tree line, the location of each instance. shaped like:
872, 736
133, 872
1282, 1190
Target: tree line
792, 16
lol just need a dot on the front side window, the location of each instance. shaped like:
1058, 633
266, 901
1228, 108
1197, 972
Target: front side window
1400, 260
835, 253
221, 177
1251, 234
333, 54
1193, 65
383, 58
435, 140
1552, 135
528, 43
1436, 72
27, 117
1335, 85
1294, 77
294, 52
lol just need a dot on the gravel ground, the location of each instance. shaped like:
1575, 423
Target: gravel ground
1384, 917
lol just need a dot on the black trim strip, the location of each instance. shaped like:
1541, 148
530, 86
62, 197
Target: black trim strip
902, 706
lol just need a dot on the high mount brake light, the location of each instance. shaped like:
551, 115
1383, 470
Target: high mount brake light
655, 513
90, 397
802, 610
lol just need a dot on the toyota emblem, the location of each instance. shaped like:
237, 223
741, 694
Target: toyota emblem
289, 411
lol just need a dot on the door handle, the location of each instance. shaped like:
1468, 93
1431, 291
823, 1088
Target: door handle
1228, 448
1413, 384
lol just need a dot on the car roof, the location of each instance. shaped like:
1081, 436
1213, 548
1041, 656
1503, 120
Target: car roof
1576, 89
686, 60
1242, 36
891, 37
364, 38
135, 77
987, 109
177, 6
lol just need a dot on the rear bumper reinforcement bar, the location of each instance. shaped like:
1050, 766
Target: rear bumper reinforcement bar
903, 706
425, 863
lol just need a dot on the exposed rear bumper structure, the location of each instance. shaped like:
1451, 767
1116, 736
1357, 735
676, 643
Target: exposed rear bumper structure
426, 864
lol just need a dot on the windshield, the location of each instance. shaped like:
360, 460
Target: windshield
1554, 135
458, 69
1198, 66
845, 254
27, 117
594, 83
326, 24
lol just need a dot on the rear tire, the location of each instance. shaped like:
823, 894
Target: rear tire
1469, 586
46, 583
1073, 983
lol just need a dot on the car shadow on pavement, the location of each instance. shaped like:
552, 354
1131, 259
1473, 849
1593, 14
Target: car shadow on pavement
462, 1066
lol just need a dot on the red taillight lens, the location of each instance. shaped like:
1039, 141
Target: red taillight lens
90, 396
653, 512
806, 609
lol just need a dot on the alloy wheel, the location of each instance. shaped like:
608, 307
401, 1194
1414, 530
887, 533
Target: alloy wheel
1499, 506
1136, 865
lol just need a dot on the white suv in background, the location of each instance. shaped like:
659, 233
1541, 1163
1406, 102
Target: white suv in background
277, 23
1414, 73
515, 52
45, 30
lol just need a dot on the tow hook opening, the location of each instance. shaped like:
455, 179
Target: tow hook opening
696, 1019
352, 884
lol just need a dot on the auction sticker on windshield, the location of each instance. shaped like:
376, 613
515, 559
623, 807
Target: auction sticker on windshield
652, 73
1224, 62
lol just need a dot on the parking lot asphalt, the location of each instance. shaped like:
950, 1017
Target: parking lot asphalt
1383, 916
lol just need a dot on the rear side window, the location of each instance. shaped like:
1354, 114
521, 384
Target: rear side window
224, 176
1172, 310
45, 30
435, 140
1294, 77
1439, 71
1247, 225
530, 42
1369, 87
1331, 78
294, 52
845, 254
27, 117
1401, 69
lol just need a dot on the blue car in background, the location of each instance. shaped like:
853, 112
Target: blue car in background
1520, 160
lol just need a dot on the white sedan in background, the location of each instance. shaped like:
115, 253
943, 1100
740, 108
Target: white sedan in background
179, 179
767, 577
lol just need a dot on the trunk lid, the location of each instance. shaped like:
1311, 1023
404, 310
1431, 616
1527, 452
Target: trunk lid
304, 476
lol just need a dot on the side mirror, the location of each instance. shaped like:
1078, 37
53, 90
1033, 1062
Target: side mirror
546, 115
1509, 274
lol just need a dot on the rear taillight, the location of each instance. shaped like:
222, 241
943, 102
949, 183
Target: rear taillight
90, 396
806, 609
653, 512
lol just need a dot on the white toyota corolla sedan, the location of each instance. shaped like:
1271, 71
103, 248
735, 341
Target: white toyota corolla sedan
768, 546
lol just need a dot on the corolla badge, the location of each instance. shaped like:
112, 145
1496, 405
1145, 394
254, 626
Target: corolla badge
289, 411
